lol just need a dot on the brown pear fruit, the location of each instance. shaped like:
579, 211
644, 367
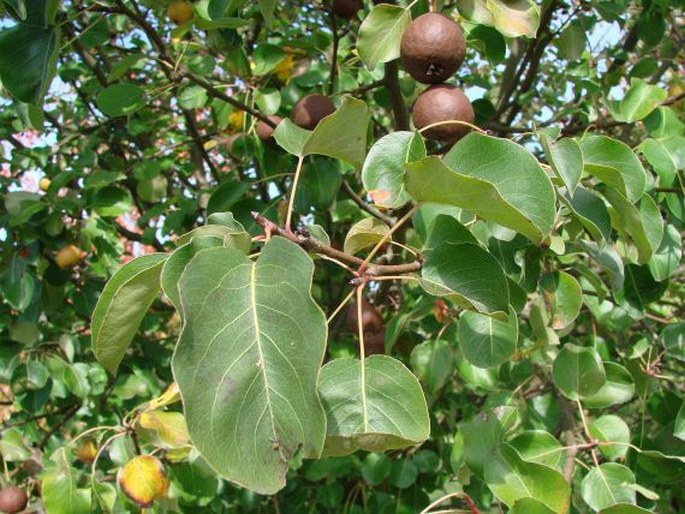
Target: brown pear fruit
13, 499
180, 12
374, 342
346, 9
432, 48
443, 102
371, 318
266, 132
310, 110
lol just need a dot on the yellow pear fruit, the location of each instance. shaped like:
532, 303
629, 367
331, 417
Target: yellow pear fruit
68, 256
143, 480
180, 12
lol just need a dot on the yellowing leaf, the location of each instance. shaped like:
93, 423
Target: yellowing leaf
143, 480
169, 428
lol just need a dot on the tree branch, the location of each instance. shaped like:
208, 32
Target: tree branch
392, 82
312, 245
388, 220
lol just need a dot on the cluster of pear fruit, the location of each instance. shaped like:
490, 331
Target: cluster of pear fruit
431, 51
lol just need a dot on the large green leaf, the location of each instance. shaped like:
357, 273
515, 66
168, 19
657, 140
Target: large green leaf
639, 101
383, 171
122, 306
494, 178
483, 433
291, 138
625, 508
60, 492
248, 359
578, 371
667, 257
28, 54
511, 478
381, 33
513, 18
363, 234
538, 446
530, 506
566, 159
611, 429
485, 341
608, 484
642, 223
433, 362
376, 404
591, 211
563, 297
121, 99
615, 164
457, 267
618, 388
176, 263
342, 135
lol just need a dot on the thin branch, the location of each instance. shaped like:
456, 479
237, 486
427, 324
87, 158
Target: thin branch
399, 109
312, 245
388, 220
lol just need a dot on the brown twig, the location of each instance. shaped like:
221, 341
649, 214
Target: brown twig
312, 245
388, 220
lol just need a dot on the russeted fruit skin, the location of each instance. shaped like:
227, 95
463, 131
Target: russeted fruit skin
346, 9
68, 256
264, 131
310, 110
374, 342
443, 102
371, 318
180, 12
86, 451
13, 499
432, 48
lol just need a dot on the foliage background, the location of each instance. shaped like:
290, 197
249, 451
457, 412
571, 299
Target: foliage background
135, 132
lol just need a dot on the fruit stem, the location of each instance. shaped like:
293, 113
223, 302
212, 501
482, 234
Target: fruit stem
293, 191
452, 122
340, 307
387, 236
362, 356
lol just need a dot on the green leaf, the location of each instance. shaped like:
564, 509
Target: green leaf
618, 388
642, 223
563, 297
226, 195
342, 135
661, 160
456, 267
433, 362
673, 339
640, 289
510, 478
122, 306
513, 18
176, 263
483, 433
566, 159
28, 57
112, 201
667, 257
578, 371
538, 446
663, 122
267, 8
485, 341
192, 97
375, 405
473, 176
266, 58
608, 485
381, 33
530, 506
625, 508
611, 428
247, 361
571, 42
639, 101
679, 426
121, 99
364, 234
383, 171
60, 493
591, 211
615, 164
291, 138
12, 446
